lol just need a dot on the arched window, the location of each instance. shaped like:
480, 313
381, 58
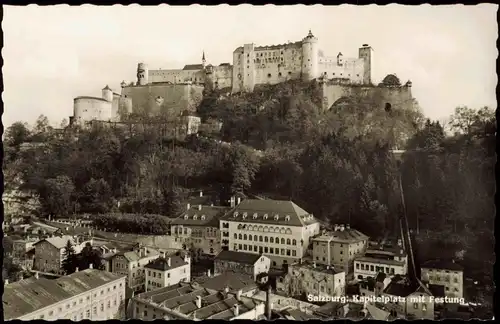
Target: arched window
271, 239
288, 241
244, 236
269, 75
265, 239
282, 241
239, 237
249, 237
277, 240
255, 238
260, 238
235, 236
294, 242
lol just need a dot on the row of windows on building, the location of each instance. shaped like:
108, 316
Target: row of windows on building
265, 239
74, 304
264, 229
324, 259
265, 249
371, 267
342, 252
445, 278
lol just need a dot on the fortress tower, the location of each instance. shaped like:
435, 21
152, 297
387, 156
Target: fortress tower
366, 54
142, 74
107, 93
310, 55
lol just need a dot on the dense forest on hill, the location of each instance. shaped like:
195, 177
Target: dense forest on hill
335, 164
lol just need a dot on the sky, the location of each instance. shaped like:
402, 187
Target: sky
53, 54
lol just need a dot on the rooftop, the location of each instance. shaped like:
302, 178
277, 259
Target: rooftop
240, 257
89, 97
162, 263
272, 212
232, 280
136, 255
315, 267
297, 315
182, 298
58, 242
380, 261
27, 296
442, 265
193, 67
348, 235
200, 215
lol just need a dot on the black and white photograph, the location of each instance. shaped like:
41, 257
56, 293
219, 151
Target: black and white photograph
255, 162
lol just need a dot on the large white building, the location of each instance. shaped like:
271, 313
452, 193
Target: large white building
84, 295
448, 274
390, 261
167, 271
281, 230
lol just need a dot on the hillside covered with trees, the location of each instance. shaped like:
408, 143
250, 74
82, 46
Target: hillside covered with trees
336, 164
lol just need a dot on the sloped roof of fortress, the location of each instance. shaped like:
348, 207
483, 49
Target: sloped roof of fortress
193, 67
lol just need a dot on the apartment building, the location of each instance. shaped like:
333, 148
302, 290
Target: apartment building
279, 229
23, 252
247, 263
197, 228
190, 301
84, 295
49, 252
312, 278
167, 271
339, 247
446, 273
131, 265
388, 260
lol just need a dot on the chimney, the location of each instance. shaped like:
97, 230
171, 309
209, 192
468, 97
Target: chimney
268, 303
76, 270
91, 266
6, 281
452, 260
236, 310
201, 193
37, 276
314, 264
208, 273
348, 227
226, 289
163, 254
401, 251
188, 206
199, 207
239, 200
342, 228
169, 262
238, 295
198, 301
336, 227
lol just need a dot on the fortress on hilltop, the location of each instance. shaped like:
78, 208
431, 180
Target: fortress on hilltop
181, 90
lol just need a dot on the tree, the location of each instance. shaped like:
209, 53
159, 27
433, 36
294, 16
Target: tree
70, 260
96, 197
17, 133
89, 256
57, 194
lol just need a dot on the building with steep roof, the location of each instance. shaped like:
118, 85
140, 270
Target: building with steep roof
131, 265
248, 263
446, 273
339, 247
49, 252
186, 301
279, 229
167, 271
197, 228
85, 295
230, 281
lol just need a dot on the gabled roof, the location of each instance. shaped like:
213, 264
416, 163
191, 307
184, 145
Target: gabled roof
58, 242
265, 212
204, 216
232, 280
239, 257
193, 67
350, 235
162, 263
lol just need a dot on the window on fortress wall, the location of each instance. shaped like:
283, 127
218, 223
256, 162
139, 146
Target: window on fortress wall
279, 74
289, 73
269, 75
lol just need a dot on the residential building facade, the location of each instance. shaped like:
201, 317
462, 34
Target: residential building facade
84, 295
49, 253
387, 260
131, 265
167, 271
281, 230
247, 263
448, 274
339, 248
315, 279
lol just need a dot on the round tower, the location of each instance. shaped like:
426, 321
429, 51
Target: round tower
107, 93
310, 53
142, 74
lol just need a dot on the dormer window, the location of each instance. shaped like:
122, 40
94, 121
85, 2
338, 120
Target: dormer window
276, 217
245, 215
186, 216
235, 214
195, 217
287, 217
254, 215
265, 216
202, 217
